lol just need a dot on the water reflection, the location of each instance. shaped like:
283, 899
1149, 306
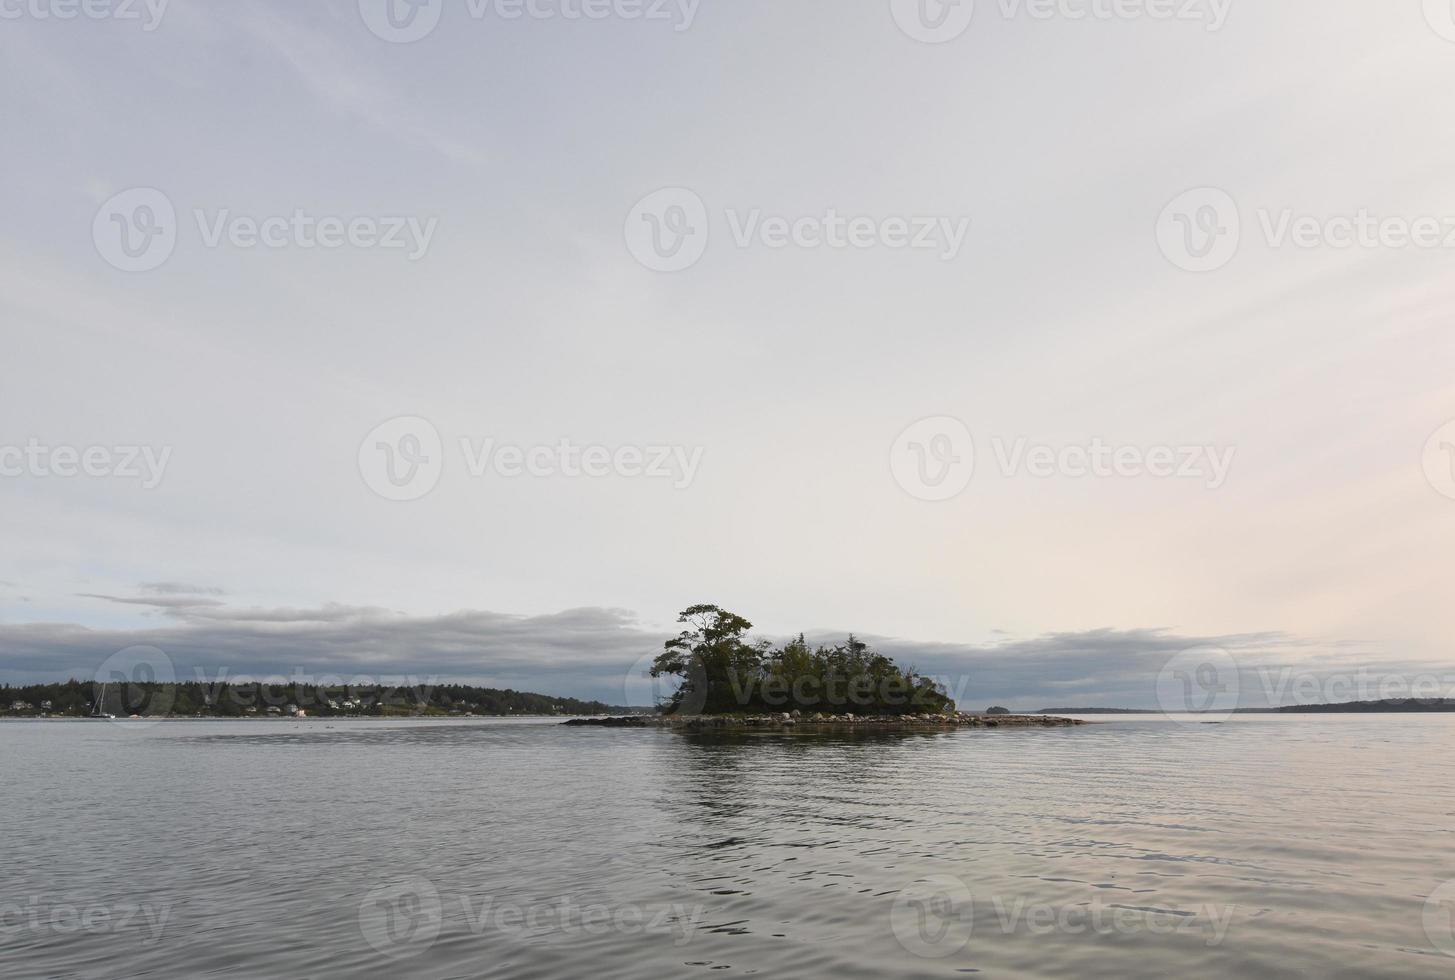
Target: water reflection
527, 849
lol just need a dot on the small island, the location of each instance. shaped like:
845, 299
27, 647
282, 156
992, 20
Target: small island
728, 681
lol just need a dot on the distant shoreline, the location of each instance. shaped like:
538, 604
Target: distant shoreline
284, 718
1390, 706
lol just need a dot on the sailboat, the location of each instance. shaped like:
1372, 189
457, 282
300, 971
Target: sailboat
98, 710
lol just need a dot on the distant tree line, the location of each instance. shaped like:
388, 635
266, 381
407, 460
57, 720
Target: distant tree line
721, 671
1357, 707
242, 700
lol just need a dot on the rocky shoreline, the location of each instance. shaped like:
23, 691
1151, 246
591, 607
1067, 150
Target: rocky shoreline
797, 720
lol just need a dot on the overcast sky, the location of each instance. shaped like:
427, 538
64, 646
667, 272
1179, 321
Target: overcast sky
294, 283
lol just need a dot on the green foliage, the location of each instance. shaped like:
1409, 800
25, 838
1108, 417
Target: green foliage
75, 698
710, 657
723, 672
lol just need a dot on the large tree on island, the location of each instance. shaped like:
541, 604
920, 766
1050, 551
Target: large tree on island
713, 658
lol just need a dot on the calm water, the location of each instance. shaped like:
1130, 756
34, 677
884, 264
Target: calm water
1264, 847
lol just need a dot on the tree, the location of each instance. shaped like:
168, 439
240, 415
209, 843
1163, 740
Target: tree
712, 658
721, 672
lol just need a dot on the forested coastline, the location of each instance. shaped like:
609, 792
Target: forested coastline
75, 698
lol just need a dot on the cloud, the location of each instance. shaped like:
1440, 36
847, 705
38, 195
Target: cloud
178, 588
588, 652
580, 649
160, 602
345, 82
1095, 668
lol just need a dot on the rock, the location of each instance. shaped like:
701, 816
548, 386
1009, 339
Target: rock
698, 723
632, 721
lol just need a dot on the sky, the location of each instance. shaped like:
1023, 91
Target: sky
1039, 342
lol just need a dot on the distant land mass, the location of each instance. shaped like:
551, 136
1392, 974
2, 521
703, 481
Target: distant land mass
79, 699
1390, 704
1343, 707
